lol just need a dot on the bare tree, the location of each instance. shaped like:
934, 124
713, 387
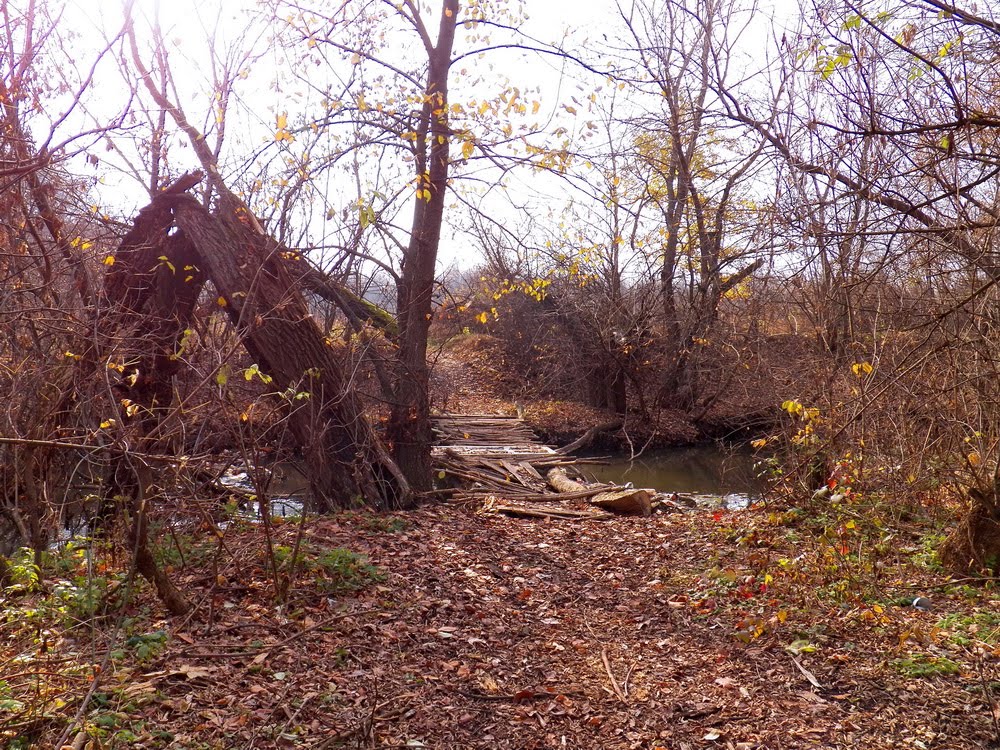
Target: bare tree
696, 169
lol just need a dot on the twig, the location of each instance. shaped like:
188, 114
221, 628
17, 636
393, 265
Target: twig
614, 682
628, 676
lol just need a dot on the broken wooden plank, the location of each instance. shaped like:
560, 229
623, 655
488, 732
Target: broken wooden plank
528, 510
529, 469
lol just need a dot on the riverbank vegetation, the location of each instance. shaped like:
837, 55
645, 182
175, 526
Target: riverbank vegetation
288, 238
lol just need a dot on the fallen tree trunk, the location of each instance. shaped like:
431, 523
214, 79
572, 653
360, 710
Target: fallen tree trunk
621, 500
521, 509
558, 480
588, 437
346, 462
626, 502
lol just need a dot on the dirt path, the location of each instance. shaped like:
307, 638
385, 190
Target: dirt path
679, 632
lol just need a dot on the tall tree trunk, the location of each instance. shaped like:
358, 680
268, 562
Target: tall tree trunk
409, 421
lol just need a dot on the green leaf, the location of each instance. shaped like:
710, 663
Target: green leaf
852, 22
366, 216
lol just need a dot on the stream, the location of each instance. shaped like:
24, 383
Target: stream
712, 475
716, 475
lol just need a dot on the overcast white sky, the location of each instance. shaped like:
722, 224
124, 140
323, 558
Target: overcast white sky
587, 21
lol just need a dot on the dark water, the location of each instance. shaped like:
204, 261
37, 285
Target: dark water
715, 475
287, 490
704, 469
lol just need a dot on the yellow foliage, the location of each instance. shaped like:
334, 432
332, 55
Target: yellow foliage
794, 408
281, 133
861, 369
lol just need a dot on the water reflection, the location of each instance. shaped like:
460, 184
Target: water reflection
287, 490
706, 469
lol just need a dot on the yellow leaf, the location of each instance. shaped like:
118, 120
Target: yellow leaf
107, 423
974, 459
467, 149
850, 525
860, 369
221, 301
792, 407
482, 317
109, 261
281, 129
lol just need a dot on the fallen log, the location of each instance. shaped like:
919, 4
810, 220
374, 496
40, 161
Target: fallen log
626, 502
345, 459
560, 482
540, 497
622, 500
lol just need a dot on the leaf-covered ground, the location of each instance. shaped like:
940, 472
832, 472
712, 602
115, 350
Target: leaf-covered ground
728, 630
447, 628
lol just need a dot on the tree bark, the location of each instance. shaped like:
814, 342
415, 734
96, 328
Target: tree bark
973, 548
409, 421
347, 466
151, 293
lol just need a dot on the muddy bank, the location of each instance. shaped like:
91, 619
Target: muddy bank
474, 375
562, 422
